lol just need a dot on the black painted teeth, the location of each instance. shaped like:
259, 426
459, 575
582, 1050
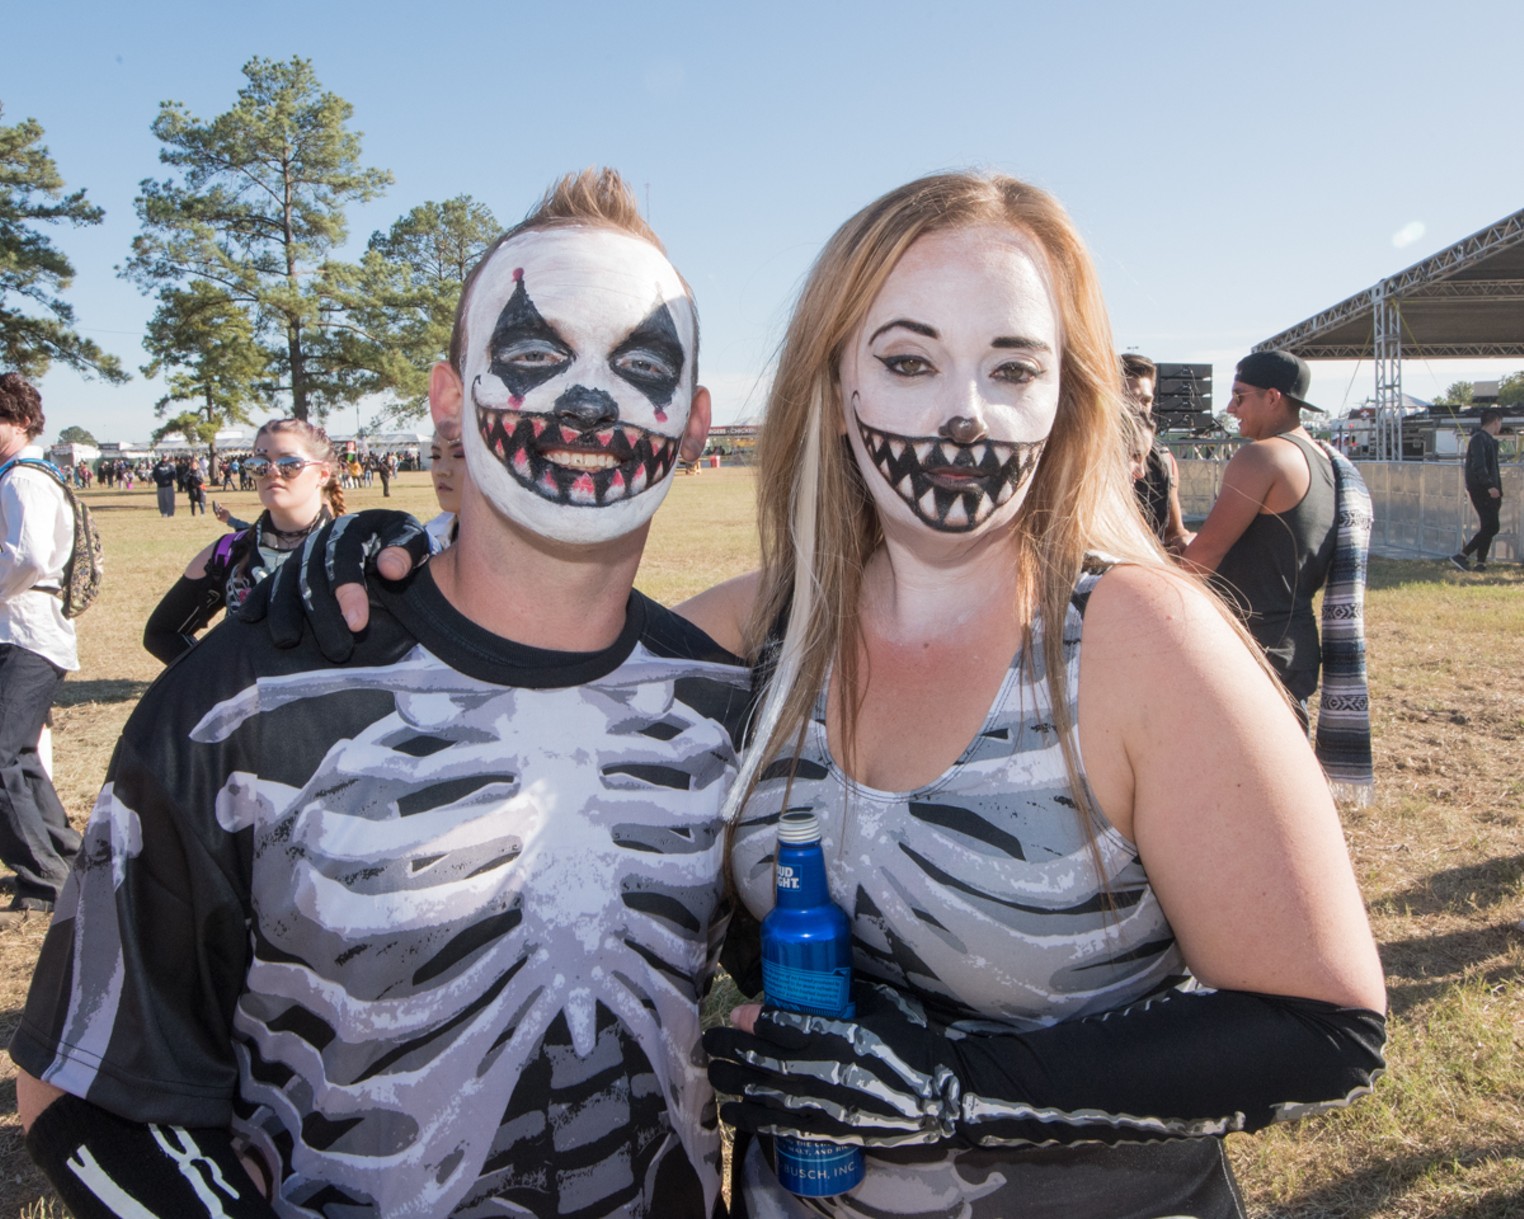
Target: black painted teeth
998, 469
641, 459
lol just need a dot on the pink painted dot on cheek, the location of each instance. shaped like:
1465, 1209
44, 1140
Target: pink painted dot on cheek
518, 275
515, 399
661, 415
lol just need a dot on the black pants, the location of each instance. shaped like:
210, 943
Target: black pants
1488, 510
36, 840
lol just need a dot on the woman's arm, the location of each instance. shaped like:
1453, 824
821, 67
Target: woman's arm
1193, 753
192, 601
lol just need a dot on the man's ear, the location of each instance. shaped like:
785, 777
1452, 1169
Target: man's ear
697, 432
446, 397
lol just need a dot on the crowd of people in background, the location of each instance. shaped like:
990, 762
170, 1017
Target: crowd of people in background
191, 474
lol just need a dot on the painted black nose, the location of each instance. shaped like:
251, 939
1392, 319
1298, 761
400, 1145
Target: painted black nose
585, 409
960, 429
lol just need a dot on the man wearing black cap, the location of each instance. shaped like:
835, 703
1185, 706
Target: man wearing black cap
1270, 536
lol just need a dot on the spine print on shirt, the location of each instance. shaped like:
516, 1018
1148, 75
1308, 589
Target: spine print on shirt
480, 925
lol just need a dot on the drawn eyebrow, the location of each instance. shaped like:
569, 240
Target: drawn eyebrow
1019, 344
920, 328
1003, 342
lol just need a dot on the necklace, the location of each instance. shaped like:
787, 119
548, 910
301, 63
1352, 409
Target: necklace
284, 539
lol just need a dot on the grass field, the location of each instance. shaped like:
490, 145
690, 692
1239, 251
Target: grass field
1440, 853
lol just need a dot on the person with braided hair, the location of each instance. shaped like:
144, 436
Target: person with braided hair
294, 467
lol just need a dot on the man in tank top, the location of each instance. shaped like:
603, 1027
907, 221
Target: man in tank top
1269, 539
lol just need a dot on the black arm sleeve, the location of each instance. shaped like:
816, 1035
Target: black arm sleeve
105, 1167
1189, 1064
186, 608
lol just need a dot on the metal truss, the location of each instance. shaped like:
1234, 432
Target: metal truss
1431, 351
1387, 341
1430, 279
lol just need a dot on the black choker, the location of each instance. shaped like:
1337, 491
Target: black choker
269, 527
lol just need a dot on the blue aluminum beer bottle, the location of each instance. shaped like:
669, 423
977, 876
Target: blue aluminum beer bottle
807, 967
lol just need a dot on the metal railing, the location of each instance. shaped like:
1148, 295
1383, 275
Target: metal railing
1421, 508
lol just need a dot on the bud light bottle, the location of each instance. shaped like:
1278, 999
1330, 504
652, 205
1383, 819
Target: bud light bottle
807, 967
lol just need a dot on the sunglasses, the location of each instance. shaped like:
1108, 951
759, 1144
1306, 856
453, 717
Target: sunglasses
287, 467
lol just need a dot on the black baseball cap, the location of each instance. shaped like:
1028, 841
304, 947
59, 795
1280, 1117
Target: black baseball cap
1278, 370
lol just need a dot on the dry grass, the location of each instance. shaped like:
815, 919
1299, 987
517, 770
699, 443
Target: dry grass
1440, 854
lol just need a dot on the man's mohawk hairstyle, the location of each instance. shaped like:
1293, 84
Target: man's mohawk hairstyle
594, 197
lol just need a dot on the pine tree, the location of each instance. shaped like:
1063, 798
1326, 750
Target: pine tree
255, 210
399, 303
204, 342
36, 323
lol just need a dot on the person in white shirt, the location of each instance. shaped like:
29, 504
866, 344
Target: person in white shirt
37, 647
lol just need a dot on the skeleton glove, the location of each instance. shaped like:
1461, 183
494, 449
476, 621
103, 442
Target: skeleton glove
299, 596
1184, 1064
881, 1080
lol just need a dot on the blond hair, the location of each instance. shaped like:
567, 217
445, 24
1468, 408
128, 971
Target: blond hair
816, 516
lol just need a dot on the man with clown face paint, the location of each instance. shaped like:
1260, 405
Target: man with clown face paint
578, 378
442, 916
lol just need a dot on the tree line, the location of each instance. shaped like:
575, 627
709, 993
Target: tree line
236, 246
1462, 393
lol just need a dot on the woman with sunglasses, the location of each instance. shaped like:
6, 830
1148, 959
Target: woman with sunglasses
295, 470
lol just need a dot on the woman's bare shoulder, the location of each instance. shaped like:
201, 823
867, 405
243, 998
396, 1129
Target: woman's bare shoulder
1165, 609
722, 612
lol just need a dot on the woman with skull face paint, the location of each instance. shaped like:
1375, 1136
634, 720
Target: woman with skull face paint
1101, 905
294, 467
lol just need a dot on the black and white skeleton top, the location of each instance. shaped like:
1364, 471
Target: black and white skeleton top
978, 893
429, 929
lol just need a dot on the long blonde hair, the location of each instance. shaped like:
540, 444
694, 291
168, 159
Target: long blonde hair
816, 516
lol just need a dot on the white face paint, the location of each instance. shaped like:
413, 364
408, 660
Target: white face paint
950, 386
578, 381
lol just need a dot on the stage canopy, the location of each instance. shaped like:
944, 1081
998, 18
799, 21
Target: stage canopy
1466, 302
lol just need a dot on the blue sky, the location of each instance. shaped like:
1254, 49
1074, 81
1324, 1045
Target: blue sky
1234, 168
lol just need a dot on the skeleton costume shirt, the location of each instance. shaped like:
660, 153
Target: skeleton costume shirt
977, 894
429, 930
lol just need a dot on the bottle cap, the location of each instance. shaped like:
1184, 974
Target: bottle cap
798, 827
